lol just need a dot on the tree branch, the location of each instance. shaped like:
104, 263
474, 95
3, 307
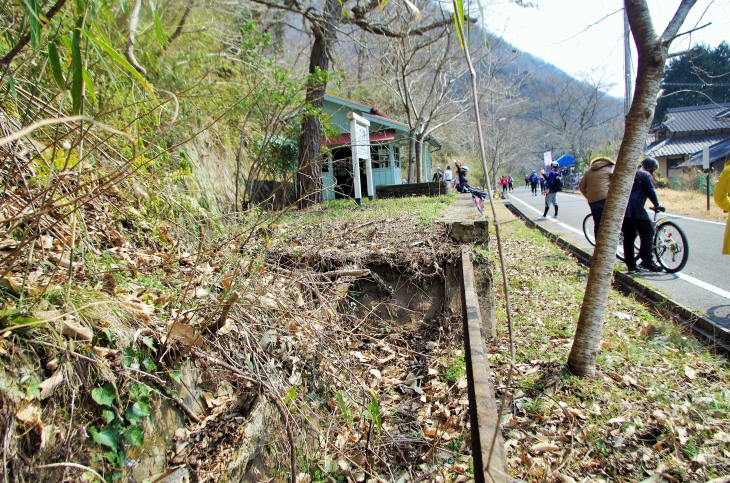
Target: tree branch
133, 21
26, 38
680, 15
178, 31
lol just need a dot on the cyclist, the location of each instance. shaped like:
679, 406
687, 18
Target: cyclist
594, 187
550, 196
461, 176
637, 221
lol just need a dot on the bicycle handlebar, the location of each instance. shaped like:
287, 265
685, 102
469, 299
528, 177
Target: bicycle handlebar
658, 209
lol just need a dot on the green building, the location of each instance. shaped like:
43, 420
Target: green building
387, 140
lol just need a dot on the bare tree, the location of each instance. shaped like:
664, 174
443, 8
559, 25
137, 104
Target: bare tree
325, 20
423, 73
653, 51
575, 111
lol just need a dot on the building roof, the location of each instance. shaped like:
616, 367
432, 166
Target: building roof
718, 151
373, 115
695, 118
677, 145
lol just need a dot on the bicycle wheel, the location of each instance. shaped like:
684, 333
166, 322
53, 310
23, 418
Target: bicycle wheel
671, 247
496, 195
588, 229
588, 232
479, 204
620, 248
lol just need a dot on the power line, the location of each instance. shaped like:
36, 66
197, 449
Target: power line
682, 84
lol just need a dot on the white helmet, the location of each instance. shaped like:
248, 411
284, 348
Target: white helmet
464, 169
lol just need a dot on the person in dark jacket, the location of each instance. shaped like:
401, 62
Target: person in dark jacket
637, 221
550, 197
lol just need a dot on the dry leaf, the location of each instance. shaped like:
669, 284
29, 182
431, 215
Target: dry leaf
51, 383
185, 334
74, 330
689, 372
29, 412
544, 447
566, 478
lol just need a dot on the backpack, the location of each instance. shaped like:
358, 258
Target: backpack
557, 184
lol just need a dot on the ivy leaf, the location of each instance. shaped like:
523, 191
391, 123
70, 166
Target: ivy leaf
290, 395
149, 364
108, 436
149, 342
104, 396
134, 435
107, 415
137, 412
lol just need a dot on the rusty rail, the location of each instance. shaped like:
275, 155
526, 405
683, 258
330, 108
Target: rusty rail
482, 405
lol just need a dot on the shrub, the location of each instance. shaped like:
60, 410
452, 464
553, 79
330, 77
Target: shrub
692, 180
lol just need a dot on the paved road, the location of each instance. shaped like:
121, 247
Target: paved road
703, 285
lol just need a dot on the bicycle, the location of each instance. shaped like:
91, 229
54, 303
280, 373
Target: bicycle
477, 196
670, 244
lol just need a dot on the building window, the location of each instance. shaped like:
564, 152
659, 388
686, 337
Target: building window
396, 156
674, 162
326, 165
379, 156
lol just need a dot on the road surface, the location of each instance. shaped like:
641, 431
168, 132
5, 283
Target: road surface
703, 285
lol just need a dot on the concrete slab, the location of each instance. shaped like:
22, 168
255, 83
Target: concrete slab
466, 224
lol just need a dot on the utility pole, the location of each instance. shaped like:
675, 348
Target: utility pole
627, 65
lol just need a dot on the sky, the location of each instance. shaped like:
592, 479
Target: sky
584, 37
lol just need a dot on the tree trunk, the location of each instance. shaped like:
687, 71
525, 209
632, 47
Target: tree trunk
652, 53
420, 171
309, 171
411, 155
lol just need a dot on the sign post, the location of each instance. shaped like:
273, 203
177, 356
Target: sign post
706, 167
360, 139
547, 157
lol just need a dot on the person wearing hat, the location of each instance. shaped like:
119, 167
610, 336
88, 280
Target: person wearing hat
594, 187
437, 176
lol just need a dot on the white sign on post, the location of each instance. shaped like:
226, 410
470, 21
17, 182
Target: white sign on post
706, 158
360, 146
547, 157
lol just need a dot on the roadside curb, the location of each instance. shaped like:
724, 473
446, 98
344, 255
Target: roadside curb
702, 327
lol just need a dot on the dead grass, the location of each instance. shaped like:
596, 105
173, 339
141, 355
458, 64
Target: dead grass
657, 408
690, 203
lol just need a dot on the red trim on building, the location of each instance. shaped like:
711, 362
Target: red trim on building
375, 137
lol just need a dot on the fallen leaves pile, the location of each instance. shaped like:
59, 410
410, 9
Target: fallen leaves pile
657, 410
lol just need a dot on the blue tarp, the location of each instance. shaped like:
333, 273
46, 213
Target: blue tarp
565, 160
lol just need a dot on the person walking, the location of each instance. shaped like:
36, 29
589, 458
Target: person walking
551, 190
437, 176
448, 175
542, 181
511, 182
527, 180
534, 179
637, 221
594, 187
722, 199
